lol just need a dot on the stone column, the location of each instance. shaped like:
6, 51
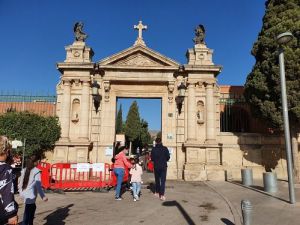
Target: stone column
210, 113
85, 111
191, 112
65, 110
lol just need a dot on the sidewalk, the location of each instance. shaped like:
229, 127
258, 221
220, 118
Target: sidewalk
268, 209
191, 203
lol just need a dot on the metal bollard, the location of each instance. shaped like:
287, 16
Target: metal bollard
247, 177
247, 212
270, 182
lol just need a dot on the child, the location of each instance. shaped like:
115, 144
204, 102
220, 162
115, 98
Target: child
8, 206
136, 179
29, 186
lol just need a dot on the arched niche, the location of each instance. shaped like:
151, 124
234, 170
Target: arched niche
75, 110
200, 112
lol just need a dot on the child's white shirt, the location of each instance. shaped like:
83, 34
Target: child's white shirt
136, 173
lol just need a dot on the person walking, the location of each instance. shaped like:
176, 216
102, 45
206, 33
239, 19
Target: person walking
160, 156
8, 205
121, 163
29, 186
136, 172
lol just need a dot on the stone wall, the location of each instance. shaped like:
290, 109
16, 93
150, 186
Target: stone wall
257, 151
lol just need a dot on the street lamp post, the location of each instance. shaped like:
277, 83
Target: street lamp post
281, 40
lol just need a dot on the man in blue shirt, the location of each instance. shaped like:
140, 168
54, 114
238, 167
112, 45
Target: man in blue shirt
160, 156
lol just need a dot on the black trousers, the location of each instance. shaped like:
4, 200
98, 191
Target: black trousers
160, 175
29, 214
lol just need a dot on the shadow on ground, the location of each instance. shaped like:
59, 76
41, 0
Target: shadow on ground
181, 209
227, 221
58, 216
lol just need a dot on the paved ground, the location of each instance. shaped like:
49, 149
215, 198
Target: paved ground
205, 203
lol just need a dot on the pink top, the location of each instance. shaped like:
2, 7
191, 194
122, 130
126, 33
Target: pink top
136, 173
121, 161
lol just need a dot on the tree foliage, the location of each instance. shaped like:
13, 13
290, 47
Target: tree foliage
133, 126
145, 135
136, 129
119, 122
262, 88
40, 132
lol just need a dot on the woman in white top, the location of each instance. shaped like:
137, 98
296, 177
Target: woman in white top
29, 186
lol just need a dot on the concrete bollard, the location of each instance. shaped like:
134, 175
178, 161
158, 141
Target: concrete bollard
246, 212
247, 177
270, 182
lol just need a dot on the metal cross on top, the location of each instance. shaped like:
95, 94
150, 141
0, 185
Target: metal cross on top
140, 27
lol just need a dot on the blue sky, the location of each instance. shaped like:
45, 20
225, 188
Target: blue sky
34, 34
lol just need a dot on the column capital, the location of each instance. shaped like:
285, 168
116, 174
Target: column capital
66, 82
85, 82
209, 84
191, 84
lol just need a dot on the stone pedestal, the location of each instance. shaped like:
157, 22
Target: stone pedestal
73, 152
203, 161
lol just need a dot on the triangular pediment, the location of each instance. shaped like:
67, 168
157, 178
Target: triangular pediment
138, 56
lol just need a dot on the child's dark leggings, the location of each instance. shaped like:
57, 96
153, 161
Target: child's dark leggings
29, 214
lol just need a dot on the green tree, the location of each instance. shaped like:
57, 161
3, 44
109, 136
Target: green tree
133, 126
145, 135
40, 132
119, 122
262, 88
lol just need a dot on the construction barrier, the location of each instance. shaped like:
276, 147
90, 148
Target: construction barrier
78, 176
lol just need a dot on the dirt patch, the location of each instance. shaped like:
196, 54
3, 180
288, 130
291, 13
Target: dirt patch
208, 206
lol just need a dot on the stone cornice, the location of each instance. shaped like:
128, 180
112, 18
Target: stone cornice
135, 68
216, 69
75, 66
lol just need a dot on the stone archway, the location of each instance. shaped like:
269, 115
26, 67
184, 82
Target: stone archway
140, 72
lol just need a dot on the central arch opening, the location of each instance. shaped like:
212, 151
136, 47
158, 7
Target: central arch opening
138, 122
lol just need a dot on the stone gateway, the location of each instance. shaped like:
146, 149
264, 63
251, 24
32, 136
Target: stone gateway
88, 91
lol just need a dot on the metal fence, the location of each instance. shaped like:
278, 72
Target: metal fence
235, 116
42, 104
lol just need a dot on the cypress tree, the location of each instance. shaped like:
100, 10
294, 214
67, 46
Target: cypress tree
132, 125
262, 88
119, 122
145, 135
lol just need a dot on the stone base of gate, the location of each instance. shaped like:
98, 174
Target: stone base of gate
198, 172
194, 172
74, 152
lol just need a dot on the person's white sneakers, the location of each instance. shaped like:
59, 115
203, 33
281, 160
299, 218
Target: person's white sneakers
163, 198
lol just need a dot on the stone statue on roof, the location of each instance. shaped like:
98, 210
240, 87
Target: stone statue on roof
79, 34
200, 34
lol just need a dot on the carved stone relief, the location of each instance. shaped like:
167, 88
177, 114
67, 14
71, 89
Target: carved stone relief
138, 60
106, 86
171, 86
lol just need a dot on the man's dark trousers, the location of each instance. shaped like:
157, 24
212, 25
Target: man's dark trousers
160, 180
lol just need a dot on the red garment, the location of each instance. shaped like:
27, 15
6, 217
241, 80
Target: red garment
121, 161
